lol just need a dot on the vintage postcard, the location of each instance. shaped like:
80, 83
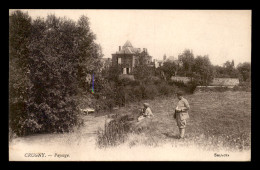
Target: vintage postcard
129, 85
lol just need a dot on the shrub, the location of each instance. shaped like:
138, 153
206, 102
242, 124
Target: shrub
137, 93
243, 86
124, 81
142, 72
191, 86
150, 92
166, 89
158, 81
55, 62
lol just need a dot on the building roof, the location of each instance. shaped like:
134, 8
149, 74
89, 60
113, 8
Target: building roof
128, 49
127, 44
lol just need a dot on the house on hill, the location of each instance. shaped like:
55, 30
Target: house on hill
129, 57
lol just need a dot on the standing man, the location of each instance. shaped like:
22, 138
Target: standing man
181, 114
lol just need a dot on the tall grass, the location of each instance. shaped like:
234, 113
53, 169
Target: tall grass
115, 132
217, 120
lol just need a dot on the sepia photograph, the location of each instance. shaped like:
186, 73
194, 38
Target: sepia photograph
129, 85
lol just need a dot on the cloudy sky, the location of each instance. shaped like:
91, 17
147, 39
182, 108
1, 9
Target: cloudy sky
221, 34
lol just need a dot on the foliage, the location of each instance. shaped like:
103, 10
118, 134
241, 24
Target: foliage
165, 89
245, 71
227, 71
202, 71
60, 53
112, 73
169, 68
19, 82
142, 72
187, 58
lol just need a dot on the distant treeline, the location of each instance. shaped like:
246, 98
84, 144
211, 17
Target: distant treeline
202, 71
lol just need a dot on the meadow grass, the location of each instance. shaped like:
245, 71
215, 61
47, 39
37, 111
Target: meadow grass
217, 120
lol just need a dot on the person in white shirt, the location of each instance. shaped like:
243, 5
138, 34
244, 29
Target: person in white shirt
146, 112
181, 113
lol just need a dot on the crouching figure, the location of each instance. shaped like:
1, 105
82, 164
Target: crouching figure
145, 112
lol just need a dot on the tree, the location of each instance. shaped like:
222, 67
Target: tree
187, 59
89, 53
245, 71
112, 73
142, 72
19, 82
169, 68
229, 70
219, 72
202, 69
60, 53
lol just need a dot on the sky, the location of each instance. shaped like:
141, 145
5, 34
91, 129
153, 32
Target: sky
221, 34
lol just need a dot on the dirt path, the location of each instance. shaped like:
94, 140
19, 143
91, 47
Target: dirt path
51, 144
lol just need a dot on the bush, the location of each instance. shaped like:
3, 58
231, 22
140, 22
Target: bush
245, 86
177, 83
166, 89
124, 81
158, 81
152, 80
191, 86
55, 62
142, 72
137, 93
150, 92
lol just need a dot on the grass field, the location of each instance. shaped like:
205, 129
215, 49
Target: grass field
218, 120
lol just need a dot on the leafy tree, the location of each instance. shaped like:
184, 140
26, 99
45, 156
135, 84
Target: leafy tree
187, 59
112, 73
220, 72
19, 82
203, 72
60, 53
142, 72
245, 71
169, 68
144, 58
89, 53
227, 71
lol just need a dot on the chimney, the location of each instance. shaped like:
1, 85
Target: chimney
119, 48
144, 49
164, 57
